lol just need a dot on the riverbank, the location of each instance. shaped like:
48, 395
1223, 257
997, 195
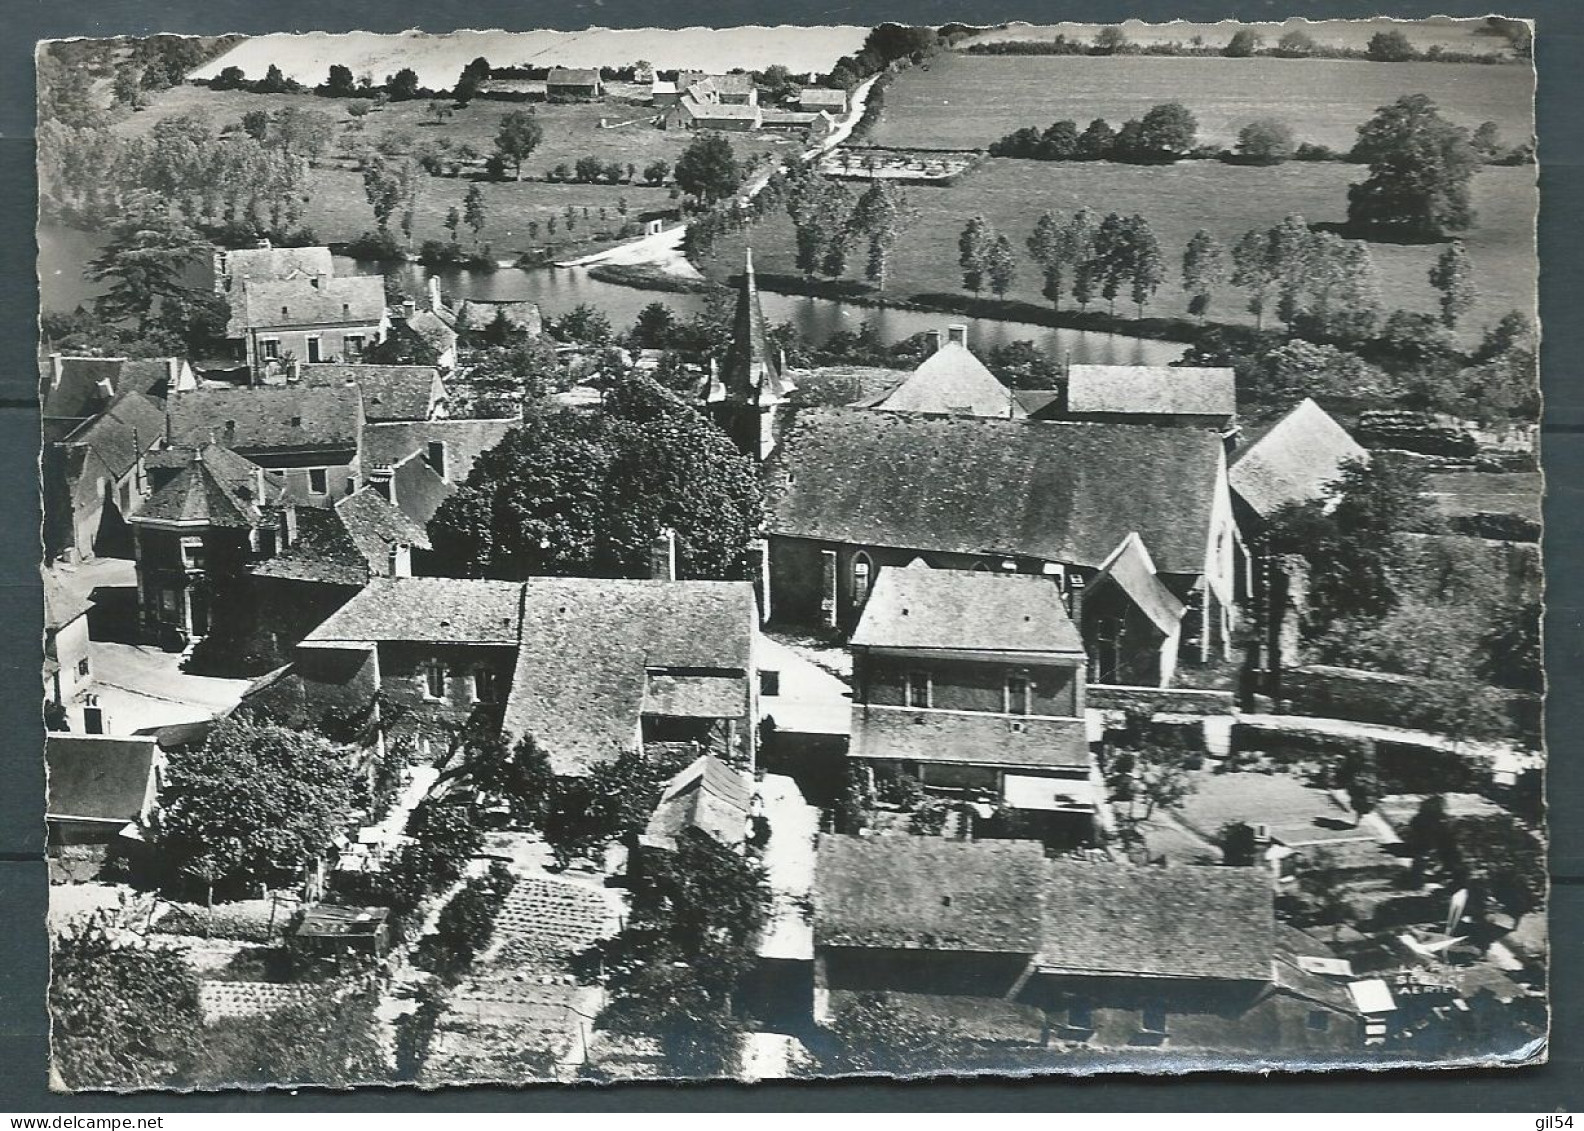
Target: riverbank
651, 277
855, 293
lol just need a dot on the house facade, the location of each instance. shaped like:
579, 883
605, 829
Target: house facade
93, 479
306, 320
973, 684
850, 492
573, 82
67, 665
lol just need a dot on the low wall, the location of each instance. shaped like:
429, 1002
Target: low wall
1159, 700
1391, 700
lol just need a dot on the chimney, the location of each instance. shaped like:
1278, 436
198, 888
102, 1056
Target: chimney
662, 555
399, 560
172, 373
933, 338
434, 294
105, 389
56, 369
409, 308
288, 526
383, 480
258, 483
435, 457
958, 332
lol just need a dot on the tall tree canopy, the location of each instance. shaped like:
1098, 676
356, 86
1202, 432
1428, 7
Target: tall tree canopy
708, 168
254, 804
518, 136
144, 262
586, 493
1420, 167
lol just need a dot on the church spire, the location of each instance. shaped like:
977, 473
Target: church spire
750, 373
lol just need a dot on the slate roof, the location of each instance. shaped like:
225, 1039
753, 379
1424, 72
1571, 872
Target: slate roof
965, 611
1294, 460
953, 380
387, 444
968, 738
928, 893
688, 696
419, 489
265, 304
708, 796
273, 418
276, 263
572, 76
822, 98
1059, 492
77, 393
99, 778
1166, 390
1036, 401
390, 392
217, 487
1132, 570
441, 610
720, 111
64, 601
750, 372
1188, 922
589, 646
734, 83
376, 525
113, 440
323, 552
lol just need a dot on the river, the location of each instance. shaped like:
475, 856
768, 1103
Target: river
63, 252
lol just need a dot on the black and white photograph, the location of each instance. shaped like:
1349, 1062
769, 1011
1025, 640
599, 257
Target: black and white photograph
778, 553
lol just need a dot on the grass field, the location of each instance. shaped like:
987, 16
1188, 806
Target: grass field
439, 59
1448, 34
966, 102
338, 210
1178, 200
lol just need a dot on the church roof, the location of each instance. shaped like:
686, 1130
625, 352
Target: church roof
750, 373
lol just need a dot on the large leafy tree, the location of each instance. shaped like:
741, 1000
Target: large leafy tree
1168, 132
881, 215
1204, 269
708, 168
586, 493
144, 263
517, 137
1453, 277
1420, 169
253, 805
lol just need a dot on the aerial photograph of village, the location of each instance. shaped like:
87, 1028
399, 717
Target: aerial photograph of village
794, 552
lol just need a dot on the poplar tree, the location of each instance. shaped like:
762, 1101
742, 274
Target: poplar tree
1204, 268
1453, 276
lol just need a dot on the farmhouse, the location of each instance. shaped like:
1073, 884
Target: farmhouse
1152, 394
972, 683
309, 437
306, 319
573, 82
851, 491
951, 380
691, 114
587, 666
818, 123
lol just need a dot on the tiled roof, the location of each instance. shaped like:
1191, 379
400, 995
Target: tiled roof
1294, 460
1167, 390
430, 609
968, 737
1132, 570
928, 893
263, 304
589, 646
77, 392
386, 445
708, 796
113, 440
376, 525
390, 392
1060, 492
734, 83
217, 487
720, 111
961, 610
276, 418
953, 380
276, 263
1187, 922
689, 696
1036, 401
64, 601
99, 778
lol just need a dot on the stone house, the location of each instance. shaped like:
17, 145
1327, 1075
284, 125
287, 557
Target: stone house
310, 438
308, 320
813, 99
852, 491
973, 684
1107, 956
1292, 462
268, 264
691, 114
573, 82
92, 478
588, 667
75, 390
